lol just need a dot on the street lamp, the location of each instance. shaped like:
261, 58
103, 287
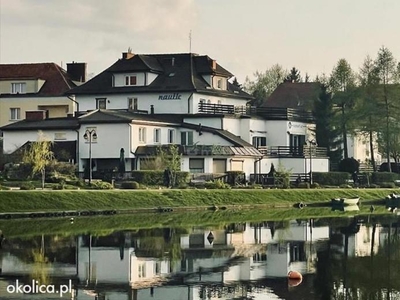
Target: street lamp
311, 143
90, 136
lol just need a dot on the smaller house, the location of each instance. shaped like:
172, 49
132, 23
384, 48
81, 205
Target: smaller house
37, 86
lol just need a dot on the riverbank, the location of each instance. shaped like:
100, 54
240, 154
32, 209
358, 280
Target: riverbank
58, 201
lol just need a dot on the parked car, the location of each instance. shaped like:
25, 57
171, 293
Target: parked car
384, 167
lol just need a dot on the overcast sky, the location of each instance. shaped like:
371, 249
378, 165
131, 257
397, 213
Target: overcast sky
242, 35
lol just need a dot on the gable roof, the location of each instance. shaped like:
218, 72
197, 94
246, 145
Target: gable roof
181, 72
57, 80
294, 95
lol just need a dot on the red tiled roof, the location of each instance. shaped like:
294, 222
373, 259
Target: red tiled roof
57, 79
294, 95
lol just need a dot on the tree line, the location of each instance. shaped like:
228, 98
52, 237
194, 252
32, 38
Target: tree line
364, 102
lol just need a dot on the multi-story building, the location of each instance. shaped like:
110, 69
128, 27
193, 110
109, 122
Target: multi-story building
37, 86
142, 102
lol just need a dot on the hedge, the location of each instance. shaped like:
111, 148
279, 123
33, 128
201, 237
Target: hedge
151, 177
379, 177
331, 178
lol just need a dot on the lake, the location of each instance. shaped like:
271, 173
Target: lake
349, 257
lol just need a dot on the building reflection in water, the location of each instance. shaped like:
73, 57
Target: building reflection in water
337, 258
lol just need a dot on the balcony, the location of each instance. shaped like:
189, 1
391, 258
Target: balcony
293, 152
208, 108
269, 113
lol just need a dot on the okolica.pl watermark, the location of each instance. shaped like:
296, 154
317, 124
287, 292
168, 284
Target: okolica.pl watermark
35, 288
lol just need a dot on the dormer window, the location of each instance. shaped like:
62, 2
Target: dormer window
219, 83
18, 88
131, 80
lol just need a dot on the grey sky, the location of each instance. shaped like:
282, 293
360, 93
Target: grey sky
242, 35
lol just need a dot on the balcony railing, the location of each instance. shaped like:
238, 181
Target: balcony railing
269, 113
293, 152
209, 108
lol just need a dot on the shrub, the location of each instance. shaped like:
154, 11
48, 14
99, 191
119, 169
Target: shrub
101, 185
255, 186
315, 185
331, 178
235, 177
27, 186
345, 186
374, 186
389, 185
4, 188
58, 187
349, 165
303, 185
378, 177
217, 184
153, 177
130, 185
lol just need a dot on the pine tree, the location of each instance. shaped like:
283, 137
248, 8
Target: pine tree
293, 76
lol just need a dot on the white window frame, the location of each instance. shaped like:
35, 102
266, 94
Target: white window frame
99, 100
157, 135
133, 103
171, 136
128, 80
15, 113
142, 135
18, 88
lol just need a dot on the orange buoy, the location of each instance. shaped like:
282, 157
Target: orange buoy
294, 275
295, 278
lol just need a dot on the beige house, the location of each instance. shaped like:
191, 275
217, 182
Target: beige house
37, 86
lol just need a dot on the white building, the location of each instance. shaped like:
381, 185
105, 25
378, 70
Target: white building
145, 101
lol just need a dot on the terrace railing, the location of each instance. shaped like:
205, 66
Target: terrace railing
288, 151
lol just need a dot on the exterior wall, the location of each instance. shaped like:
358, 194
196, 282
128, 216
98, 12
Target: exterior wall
232, 125
277, 133
215, 122
151, 77
57, 106
145, 100
358, 148
104, 269
15, 139
31, 86
255, 128
110, 139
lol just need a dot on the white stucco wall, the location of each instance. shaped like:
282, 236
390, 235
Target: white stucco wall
110, 139
215, 122
277, 133
15, 139
145, 100
108, 265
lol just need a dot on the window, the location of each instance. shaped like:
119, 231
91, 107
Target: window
18, 88
101, 103
15, 113
171, 136
60, 136
142, 134
219, 83
130, 80
187, 138
142, 270
196, 165
157, 135
259, 141
133, 104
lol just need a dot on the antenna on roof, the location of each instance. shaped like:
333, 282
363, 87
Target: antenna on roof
190, 41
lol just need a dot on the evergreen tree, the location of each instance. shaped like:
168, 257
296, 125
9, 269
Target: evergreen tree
342, 85
327, 134
293, 76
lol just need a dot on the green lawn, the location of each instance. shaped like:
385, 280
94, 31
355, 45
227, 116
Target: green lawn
30, 201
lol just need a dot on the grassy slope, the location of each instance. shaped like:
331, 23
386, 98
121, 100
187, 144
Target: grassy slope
27, 201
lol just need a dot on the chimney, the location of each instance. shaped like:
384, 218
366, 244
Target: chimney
127, 55
35, 115
213, 64
152, 109
77, 71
